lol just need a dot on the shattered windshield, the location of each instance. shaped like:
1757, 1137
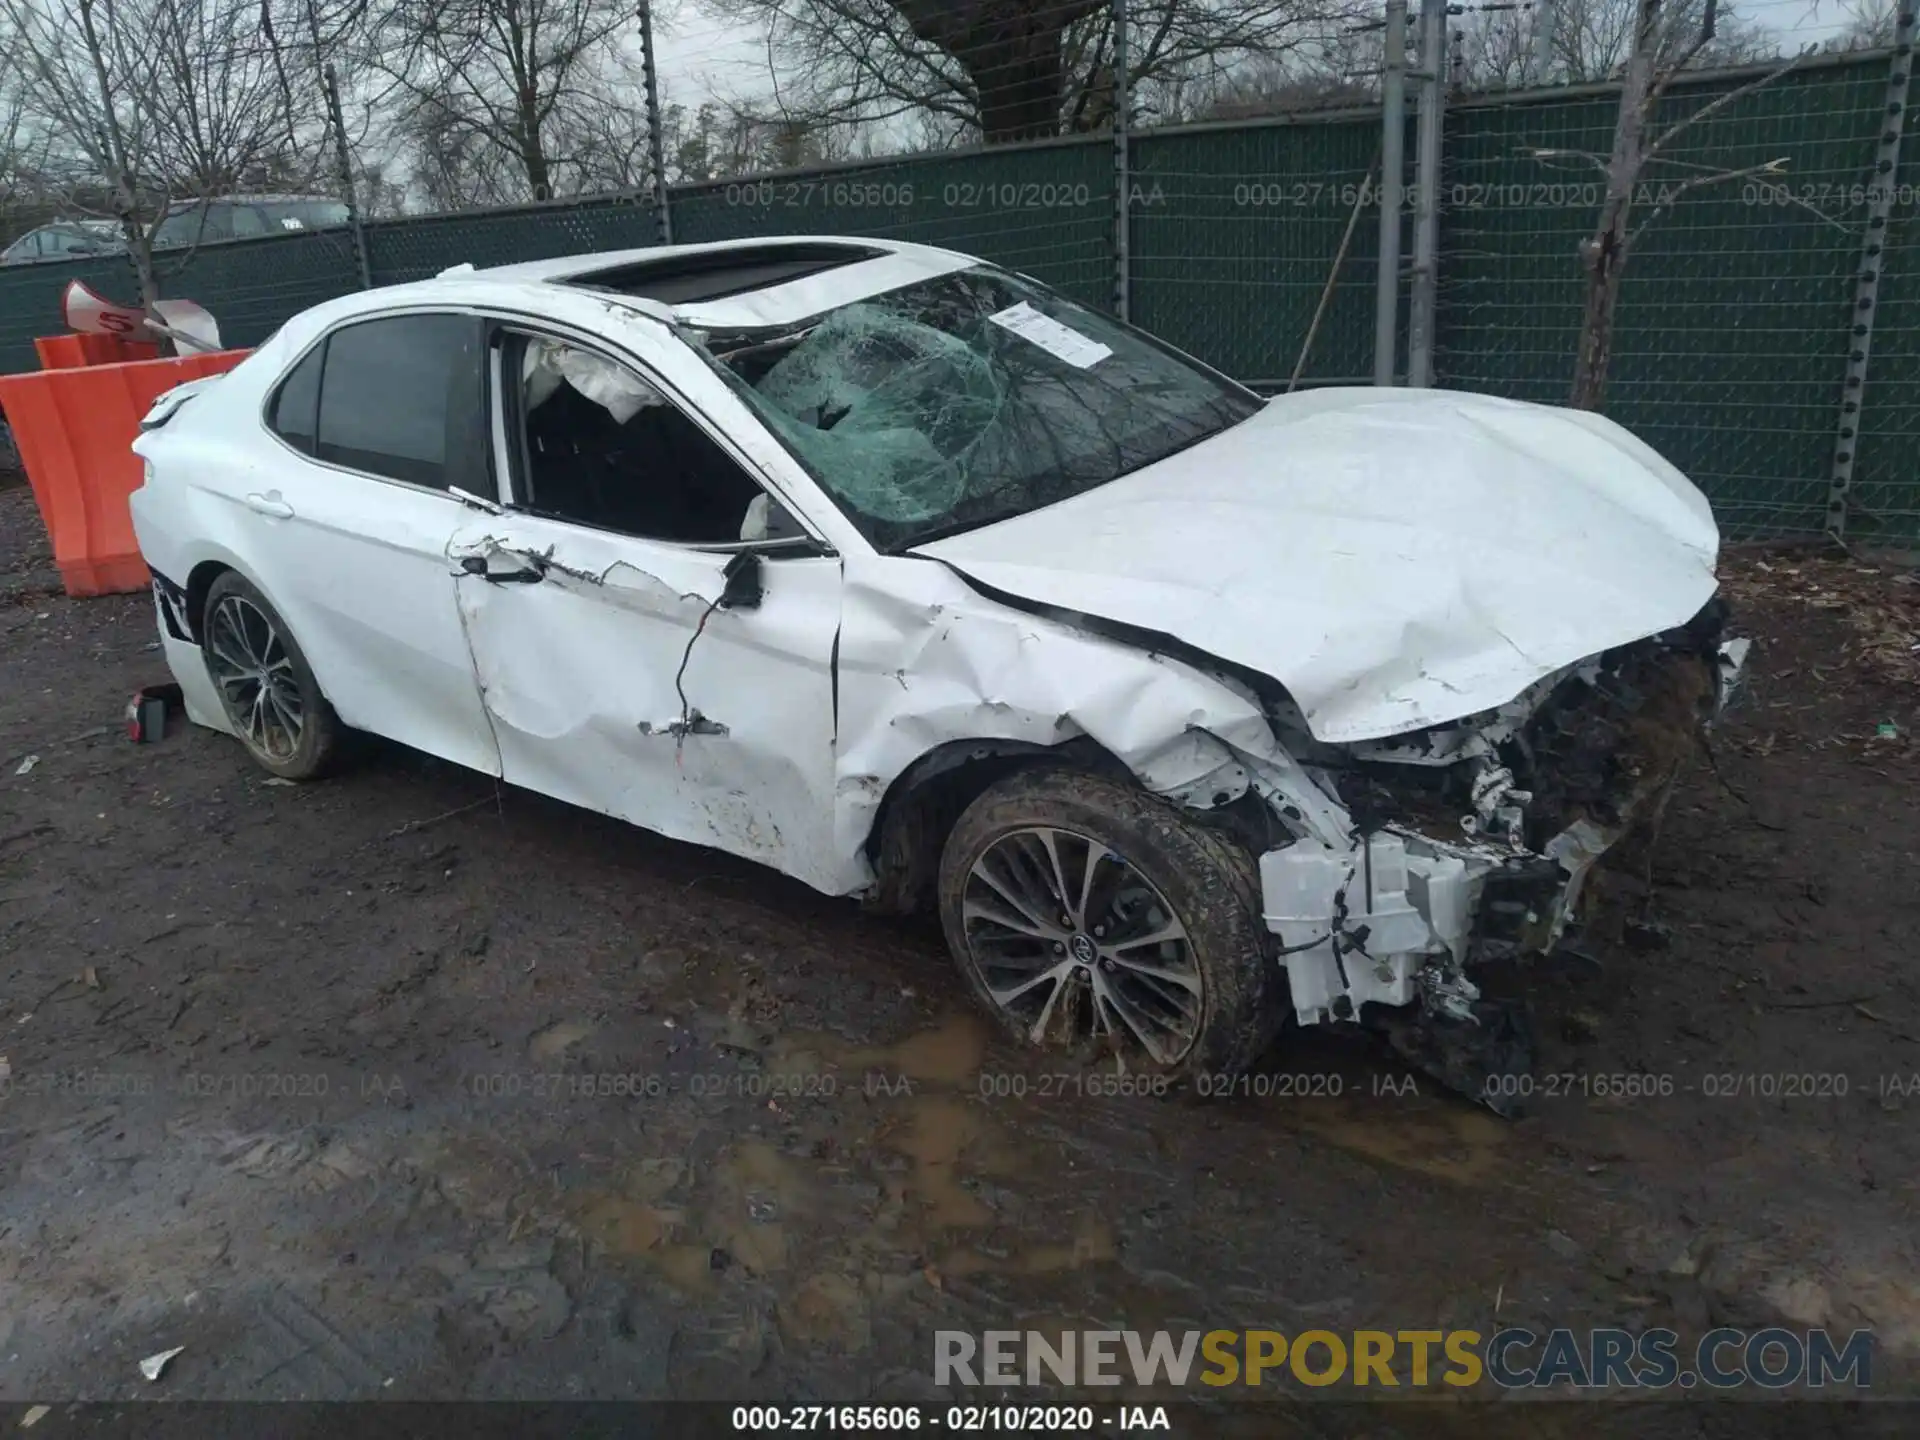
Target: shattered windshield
971, 398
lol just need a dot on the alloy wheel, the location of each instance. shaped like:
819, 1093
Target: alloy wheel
1076, 945
249, 662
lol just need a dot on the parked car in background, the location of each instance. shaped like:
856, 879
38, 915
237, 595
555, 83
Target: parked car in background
241, 217
63, 239
189, 222
1188, 712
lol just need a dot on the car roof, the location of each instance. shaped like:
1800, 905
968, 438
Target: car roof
179, 205
747, 283
866, 268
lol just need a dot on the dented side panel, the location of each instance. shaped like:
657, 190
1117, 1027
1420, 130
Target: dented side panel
578, 672
925, 660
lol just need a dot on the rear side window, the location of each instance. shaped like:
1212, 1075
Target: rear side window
304, 214
297, 404
196, 224
387, 392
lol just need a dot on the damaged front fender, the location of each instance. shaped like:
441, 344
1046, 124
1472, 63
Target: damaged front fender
926, 661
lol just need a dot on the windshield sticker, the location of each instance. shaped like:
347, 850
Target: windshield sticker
1062, 342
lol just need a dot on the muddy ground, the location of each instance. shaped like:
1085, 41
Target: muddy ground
407, 1085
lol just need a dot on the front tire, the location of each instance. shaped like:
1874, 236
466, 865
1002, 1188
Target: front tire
266, 686
1094, 918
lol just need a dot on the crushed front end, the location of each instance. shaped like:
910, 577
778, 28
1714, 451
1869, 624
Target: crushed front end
1473, 841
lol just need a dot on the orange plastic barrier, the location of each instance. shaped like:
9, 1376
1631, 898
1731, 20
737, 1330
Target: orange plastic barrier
70, 352
73, 428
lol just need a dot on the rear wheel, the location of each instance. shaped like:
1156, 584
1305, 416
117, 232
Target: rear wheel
1095, 919
266, 686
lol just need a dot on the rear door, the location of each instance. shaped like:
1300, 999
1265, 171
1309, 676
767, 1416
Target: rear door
382, 420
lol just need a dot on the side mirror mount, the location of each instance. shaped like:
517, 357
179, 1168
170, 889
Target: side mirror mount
745, 588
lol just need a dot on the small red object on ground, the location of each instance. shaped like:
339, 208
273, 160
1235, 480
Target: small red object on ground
147, 712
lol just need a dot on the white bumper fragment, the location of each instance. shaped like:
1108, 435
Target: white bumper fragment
189, 665
1358, 926
1389, 917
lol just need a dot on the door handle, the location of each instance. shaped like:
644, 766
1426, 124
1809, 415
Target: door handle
477, 565
270, 505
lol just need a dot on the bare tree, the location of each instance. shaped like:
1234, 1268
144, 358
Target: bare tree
1592, 40
146, 103
504, 89
1339, 68
1003, 70
1644, 82
22, 152
1490, 49
1871, 26
717, 141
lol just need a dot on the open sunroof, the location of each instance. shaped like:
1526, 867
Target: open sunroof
718, 274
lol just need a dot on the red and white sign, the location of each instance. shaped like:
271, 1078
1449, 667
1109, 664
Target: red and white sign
179, 320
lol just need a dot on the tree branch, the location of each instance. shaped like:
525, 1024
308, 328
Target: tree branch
1768, 167
1660, 142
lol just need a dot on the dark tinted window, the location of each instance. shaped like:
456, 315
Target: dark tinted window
298, 402
196, 224
388, 389
303, 214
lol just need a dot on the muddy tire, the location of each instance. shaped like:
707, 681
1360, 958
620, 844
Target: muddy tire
266, 685
1092, 918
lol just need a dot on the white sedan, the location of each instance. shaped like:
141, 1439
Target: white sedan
909, 577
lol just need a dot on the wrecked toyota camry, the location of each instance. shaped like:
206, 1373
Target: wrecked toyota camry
1187, 711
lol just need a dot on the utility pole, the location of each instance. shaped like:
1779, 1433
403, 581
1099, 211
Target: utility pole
1122, 167
344, 160
1426, 201
656, 141
1393, 161
1866, 279
1545, 14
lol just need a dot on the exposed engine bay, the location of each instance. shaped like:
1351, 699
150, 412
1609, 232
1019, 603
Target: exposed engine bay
1473, 842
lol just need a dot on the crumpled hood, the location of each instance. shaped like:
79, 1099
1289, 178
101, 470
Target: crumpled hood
1395, 558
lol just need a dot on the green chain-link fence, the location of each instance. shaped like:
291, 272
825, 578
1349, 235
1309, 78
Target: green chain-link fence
1736, 314
1731, 340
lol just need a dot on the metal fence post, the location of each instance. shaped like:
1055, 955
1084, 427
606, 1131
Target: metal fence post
1881, 184
347, 188
1122, 168
1426, 198
1393, 161
1544, 16
656, 141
